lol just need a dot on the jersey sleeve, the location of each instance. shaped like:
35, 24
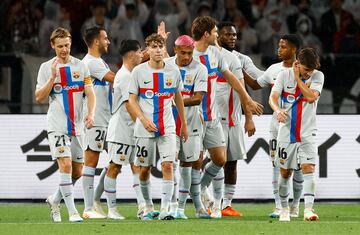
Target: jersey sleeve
87, 78
134, 82
98, 69
42, 76
201, 79
264, 80
251, 69
317, 82
279, 83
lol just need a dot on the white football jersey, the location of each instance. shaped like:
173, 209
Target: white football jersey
102, 89
228, 101
300, 125
214, 62
194, 79
65, 112
155, 89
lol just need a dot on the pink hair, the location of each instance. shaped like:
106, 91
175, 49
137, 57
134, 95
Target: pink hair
184, 40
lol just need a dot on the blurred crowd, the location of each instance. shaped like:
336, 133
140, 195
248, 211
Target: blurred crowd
330, 26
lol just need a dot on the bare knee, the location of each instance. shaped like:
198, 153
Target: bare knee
135, 169
76, 170
144, 173
218, 156
285, 173
307, 168
91, 158
113, 170
64, 164
197, 164
167, 170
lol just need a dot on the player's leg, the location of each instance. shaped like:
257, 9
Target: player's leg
167, 152
235, 151
286, 158
99, 191
94, 144
275, 176
145, 158
110, 190
184, 187
67, 189
308, 157
195, 188
214, 142
136, 186
60, 147
174, 198
298, 180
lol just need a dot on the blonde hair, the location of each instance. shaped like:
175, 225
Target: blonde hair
59, 33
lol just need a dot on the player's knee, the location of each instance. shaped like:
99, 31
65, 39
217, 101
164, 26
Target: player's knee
113, 170
307, 168
285, 173
135, 169
91, 158
65, 165
167, 167
144, 173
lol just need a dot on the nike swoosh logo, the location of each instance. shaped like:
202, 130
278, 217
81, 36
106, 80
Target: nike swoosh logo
79, 158
289, 87
189, 157
308, 158
147, 82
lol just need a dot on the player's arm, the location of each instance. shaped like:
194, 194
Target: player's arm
91, 102
42, 93
274, 98
309, 94
134, 106
249, 123
109, 76
194, 100
130, 111
251, 81
181, 110
249, 104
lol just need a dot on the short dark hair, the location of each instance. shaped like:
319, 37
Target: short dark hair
293, 39
225, 24
91, 34
309, 57
201, 25
128, 45
154, 38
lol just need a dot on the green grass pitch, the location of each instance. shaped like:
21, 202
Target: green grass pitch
33, 218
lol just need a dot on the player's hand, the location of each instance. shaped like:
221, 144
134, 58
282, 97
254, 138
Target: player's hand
184, 133
255, 107
296, 68
53, 67
148, 125
250, 127
281, 115
89, 121
162, 31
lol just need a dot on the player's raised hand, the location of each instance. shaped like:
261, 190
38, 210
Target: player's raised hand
89, 121
250, 127
296, 68
255, 107
281, 115
161, 30
184, 133
148, 125
53, 67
